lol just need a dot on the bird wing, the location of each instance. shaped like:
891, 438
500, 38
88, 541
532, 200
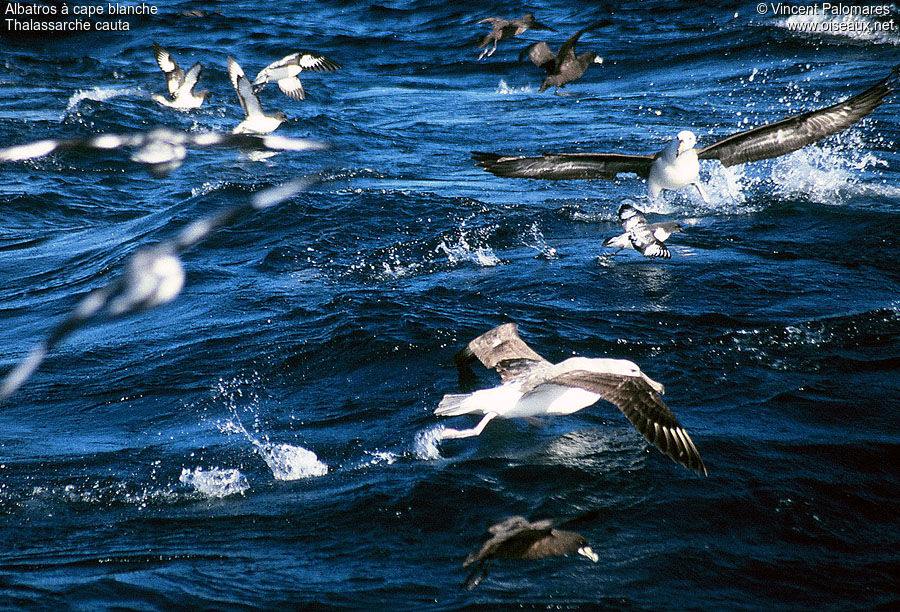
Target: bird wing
174, 74
190, 79
314, 62
501, 349
249, 100
515, 534
567, 51
494, 21
642, 235
796, 132
292, 88
540, 55
564, 166
643, 406
234, 73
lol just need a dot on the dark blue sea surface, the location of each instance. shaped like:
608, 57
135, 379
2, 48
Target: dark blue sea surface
267, 440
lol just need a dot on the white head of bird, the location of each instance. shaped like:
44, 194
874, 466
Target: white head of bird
686, 141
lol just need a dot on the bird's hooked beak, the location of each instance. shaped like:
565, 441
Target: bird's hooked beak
682, 145
585, 551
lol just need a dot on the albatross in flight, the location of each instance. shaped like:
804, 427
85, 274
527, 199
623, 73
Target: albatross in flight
563, 67
677, 165
153, 276
518, 538
285, 72
161, 150
646, 238
506, 28
532, 386
256, 121
181, 85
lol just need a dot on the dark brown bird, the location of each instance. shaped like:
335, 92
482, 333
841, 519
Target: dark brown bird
517, 538
563, 67
506, 28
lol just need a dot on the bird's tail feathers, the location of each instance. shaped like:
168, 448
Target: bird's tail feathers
452, 404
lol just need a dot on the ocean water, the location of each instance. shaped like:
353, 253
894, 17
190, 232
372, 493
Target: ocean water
267, 440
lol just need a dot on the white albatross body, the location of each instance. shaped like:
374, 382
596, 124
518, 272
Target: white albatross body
676, 166
532, 387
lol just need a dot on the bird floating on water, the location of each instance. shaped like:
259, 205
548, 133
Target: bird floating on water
153, 276
563, 67
532, 386
180, 85
518, 538
256, 121
646, 238
161, 150
677, 165
506, 28
285, 72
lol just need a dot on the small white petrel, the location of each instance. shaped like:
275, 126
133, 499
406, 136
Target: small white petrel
285, 72
153, 276
161, 150
180, 85
256, 121
646, 238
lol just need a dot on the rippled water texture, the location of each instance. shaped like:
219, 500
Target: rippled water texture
268, 441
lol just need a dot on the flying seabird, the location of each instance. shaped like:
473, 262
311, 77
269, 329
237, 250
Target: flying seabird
256, 121
565, 66
677, 164
286, 69
160, 149
646, 238
181, 85
532, 386
518, 538
506, 28
153, 276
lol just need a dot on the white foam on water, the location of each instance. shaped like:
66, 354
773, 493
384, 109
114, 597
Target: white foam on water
824, 174
861, 28
289, 462
215, 482
425, 446
99, 94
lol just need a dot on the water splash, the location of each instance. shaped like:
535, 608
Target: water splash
504, 89
534, 239
462, 251
289, 462
99, 94
425, 446
824, 174
286, 461
215, 483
